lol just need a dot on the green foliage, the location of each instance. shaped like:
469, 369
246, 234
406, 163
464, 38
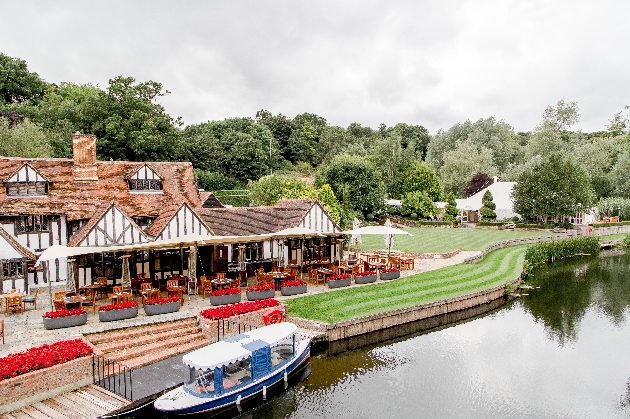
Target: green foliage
213, 181
614, 206
417, 176
418, 203
327, 198
462, 163
355, 181
17, 84
23, 140
550, 251
487, 210
626, 242
268, 190
413, 216
551, 188
450, 212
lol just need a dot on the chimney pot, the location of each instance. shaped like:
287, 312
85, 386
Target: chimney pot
84, 156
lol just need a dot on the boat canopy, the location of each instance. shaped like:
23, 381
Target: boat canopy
238, 347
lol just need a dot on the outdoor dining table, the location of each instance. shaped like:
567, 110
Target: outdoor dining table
90, 290
344, 269
73, 302
220, 283
11, 295
278, 279
325, 273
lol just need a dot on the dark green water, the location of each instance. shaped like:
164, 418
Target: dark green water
563, 351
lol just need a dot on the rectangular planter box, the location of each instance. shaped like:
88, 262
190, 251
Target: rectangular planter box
219, 300
338, 283
260, 295
67, 321
154, 309
299, 289
113, 315
367, 279
386, 276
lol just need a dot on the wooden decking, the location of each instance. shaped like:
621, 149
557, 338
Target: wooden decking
87, 402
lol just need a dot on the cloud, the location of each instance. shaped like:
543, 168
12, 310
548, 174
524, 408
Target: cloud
430, 63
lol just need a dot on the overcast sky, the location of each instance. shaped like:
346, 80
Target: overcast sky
433, 63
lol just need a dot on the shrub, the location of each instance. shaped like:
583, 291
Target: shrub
413, 216
63, 313
259, 288
162, 301
545, 252
293, 283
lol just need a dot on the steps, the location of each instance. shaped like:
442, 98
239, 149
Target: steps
142, 345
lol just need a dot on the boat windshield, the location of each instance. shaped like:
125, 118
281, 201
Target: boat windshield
199, 381
282, 351
237, 373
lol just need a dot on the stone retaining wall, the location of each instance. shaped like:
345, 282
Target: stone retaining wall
39, 385
376, 322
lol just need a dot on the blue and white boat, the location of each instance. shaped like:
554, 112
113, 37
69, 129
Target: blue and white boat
228, 373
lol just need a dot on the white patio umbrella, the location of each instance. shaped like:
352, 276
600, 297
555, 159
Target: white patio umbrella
389, 239
378, 230
70, 285
356, 238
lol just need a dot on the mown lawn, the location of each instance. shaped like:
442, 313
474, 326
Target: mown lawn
330, 307
443, 240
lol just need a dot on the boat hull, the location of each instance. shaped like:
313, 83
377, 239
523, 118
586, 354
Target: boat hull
218, 405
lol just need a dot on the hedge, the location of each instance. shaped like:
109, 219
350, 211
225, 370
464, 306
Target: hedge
622, 223
545, 252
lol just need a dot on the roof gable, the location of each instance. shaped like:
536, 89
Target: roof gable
27, 173
110, 225
176, 221
144, 172
11, 249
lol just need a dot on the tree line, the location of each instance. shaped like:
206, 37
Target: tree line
559, 170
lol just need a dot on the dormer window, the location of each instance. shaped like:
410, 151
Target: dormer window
26, 182
145, 180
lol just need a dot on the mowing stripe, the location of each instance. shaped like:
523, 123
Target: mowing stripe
497, 268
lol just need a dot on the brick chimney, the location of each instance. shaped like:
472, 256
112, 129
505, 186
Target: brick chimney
84, 156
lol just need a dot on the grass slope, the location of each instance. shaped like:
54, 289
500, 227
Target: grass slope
453, 281
443, 240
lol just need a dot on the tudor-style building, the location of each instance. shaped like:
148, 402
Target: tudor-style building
82, 202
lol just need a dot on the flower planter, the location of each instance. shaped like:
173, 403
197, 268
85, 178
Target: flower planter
67, 321
112, 315
367, 279
338, 283
298, 289
386, 276
154, 309
260, 295
219, 300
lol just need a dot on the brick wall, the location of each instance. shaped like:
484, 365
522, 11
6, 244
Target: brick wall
42, 384
215, 329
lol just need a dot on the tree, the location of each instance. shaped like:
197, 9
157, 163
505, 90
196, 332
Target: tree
418, 202
280, 126
450, 212
619, 124
268, 190
356, 181
551, 188
23, 140
213, 181
560, 117
488, 207
17, 84
417, 176
327, 198
477, 183
620, 175
389, 157
462, 163
248, 161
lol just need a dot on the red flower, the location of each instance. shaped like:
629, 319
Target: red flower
162, 301
337, 277
259, 288
390, 270
293, 283
365, 273
229, 310
120, 306
228, 291
63, 313
43, 357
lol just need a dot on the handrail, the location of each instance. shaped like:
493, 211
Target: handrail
112, 376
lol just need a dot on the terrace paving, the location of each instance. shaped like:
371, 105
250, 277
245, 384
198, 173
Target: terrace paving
26, 330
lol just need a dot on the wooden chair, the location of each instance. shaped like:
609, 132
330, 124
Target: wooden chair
206, 286
172, 283
235, 284
295, 272
313, 276
60, 305
287, 270
177, 293
12, 291
91, 303
15, 304
60, 295
144, 291
121, 298
102, 283
2, 330
220, 275
31, 300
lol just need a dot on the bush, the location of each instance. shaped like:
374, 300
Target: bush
413, 216
545, 252
369, 217
622, 223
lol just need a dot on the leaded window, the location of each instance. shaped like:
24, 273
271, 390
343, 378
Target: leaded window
26, 188
145, 184
11, 268
32, 224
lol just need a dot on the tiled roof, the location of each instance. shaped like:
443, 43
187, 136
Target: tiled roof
16, 245
209, 200
80, 199
242, 221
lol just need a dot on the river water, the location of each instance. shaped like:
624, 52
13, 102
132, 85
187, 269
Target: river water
562, 351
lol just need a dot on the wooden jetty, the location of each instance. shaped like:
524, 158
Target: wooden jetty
87, 402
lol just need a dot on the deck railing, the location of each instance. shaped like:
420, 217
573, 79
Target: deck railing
113, 376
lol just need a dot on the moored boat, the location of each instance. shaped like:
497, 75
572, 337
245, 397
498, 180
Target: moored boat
228, 373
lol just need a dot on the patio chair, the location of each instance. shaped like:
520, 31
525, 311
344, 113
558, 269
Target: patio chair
91, 303
31, 300
144, 291
314, 276
220, 275
102, 282
206, 286
172, 283
235, 283
121, 297
2, 330
60, 305
15, 304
